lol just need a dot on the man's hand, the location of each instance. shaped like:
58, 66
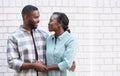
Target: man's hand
40, 66
73, 67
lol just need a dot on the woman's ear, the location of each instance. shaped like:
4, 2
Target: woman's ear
59, 25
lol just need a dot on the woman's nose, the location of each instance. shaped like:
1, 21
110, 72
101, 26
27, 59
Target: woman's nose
38, 20
48, 23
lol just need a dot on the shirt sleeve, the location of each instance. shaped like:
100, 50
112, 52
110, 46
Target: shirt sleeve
13, 55
68, 55
45, 34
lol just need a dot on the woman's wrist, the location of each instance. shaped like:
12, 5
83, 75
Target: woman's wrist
53, 67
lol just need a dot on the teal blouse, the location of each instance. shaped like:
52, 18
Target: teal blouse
61, 52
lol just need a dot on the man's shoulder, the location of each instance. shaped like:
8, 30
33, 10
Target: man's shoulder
45, 34
14, 33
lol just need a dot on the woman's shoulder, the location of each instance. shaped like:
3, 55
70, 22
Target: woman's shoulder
50, 37
70, 36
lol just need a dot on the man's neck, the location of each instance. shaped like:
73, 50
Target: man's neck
25, 26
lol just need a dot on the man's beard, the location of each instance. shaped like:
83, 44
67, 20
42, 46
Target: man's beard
32, 25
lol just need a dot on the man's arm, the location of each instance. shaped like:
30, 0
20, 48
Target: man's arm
14, 60
13, 57
36, 65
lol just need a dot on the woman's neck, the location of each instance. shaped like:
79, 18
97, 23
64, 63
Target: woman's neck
58, 33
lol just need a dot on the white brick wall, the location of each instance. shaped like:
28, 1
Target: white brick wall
94, 23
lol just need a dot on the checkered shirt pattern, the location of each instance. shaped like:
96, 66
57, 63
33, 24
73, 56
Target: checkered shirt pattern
20, 49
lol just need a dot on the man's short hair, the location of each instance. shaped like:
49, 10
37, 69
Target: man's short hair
28, 9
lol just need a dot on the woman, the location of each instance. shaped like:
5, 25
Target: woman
60, 46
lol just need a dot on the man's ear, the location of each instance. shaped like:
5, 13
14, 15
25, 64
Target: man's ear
25, 17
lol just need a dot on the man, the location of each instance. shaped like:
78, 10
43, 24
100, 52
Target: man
26, 46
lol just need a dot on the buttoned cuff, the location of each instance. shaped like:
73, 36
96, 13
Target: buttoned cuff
15, 64
18, 65
63, 66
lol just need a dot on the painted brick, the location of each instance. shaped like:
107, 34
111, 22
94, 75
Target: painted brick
109, 55
108, 61
11, 17
108, 29
108, 23
1, 49
108, 42
3, 17
116, 23
8, 74
100, 3
84, 68
116, 73
115, 10
12, 3
1, 63
107, 3
12, 29
107, 10
116, 61
113, 3
84, 3
93, 36
4, 30
33, 2
1, 36
97, 74
108, 68
11, 23
70, 9
93, 10
6, 2
3, 56
94, 23
107, 17
1, 3
12, 10
108, 74
3, 69
107, 36
1, 74
97, 61
1, 9
19, 3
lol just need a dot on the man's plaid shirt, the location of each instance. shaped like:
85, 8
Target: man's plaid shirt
20, 49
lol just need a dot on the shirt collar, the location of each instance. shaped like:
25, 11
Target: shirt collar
23, 29
61, 36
